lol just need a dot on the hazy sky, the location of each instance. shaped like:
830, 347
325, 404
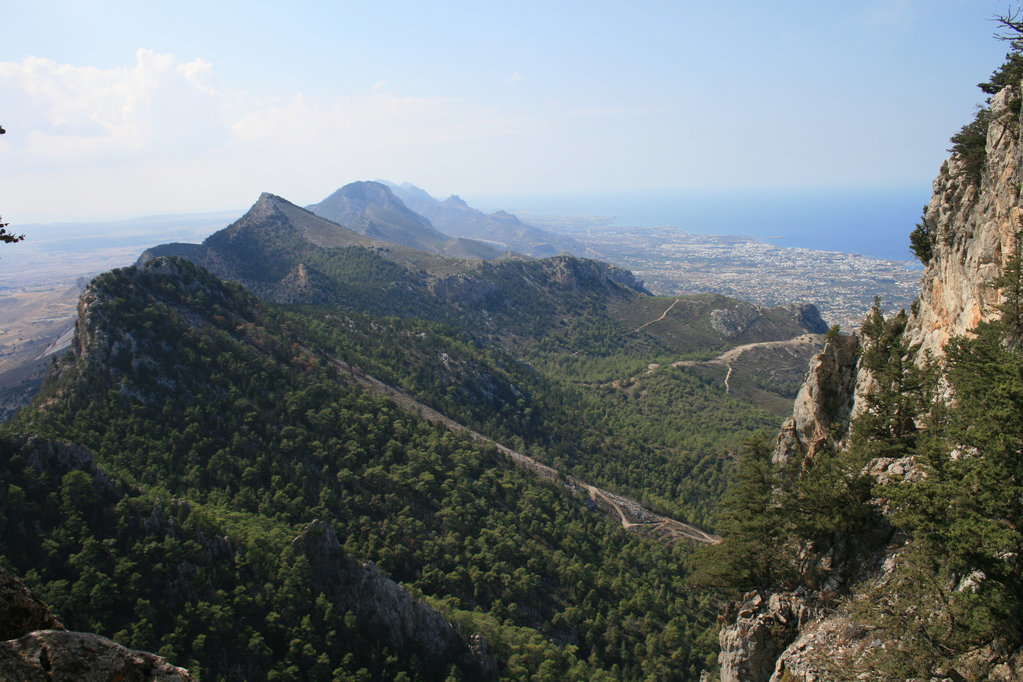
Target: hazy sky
117, 109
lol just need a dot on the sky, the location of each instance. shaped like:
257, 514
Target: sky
120, 109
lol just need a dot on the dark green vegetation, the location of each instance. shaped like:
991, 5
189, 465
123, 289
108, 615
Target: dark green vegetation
223, 426
970, 144
8, 238
922, 238
187, 390
518, 349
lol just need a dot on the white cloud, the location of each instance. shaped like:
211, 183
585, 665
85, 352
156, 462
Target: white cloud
515, 77
199, 73
166, 125
67, 113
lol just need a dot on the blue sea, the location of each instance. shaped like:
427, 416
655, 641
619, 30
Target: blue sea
871, 222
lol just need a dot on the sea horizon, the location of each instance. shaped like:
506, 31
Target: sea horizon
873, 222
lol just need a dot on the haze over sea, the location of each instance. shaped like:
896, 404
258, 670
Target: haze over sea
872, 222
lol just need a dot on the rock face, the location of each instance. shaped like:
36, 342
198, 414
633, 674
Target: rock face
824, 403
739, 321
760, 626
972, 231
59, 656
20, 610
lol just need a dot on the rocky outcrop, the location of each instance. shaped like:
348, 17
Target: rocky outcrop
53, 458
759, 627
20, 610
464, 289
38, 648
59, 656
799, 634
301, 285
824, 403
742, 322
973, 232
385, 609
734, 321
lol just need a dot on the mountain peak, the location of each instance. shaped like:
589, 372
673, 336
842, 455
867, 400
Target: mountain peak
456, 201
347, 204
372, 209
502, 230
267, 204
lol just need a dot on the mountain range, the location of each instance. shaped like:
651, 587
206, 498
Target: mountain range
500, 229
336, 443
242, 425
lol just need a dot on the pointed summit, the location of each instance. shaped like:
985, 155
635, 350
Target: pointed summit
263, 250
456, 201
372, 209
266, 205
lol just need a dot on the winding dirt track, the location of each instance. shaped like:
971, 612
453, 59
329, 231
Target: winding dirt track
727, 358
663, 315
633, 515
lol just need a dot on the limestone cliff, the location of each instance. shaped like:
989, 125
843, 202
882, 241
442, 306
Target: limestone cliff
971, 229
973, 232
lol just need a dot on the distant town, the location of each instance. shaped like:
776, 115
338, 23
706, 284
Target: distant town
670, 261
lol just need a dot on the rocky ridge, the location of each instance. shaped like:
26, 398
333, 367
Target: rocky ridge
501, 230
387, 610
372, 209
800, 634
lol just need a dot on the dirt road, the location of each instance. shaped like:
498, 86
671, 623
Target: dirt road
633, 515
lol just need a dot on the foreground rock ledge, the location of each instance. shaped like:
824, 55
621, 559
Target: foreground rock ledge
59, 656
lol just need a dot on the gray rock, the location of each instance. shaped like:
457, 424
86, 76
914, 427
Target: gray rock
60, 656
824, 403
21, 611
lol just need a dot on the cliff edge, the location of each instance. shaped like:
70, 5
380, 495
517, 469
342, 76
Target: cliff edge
811, 632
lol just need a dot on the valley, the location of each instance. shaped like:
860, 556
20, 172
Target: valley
513, 441
633, 515
446, 418
353, 432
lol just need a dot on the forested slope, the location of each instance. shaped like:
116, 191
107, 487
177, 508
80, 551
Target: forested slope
222, 439
227, 446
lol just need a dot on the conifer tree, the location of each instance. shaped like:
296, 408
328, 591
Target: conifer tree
751, 554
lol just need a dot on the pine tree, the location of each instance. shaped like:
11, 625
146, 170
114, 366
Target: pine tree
752, 552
